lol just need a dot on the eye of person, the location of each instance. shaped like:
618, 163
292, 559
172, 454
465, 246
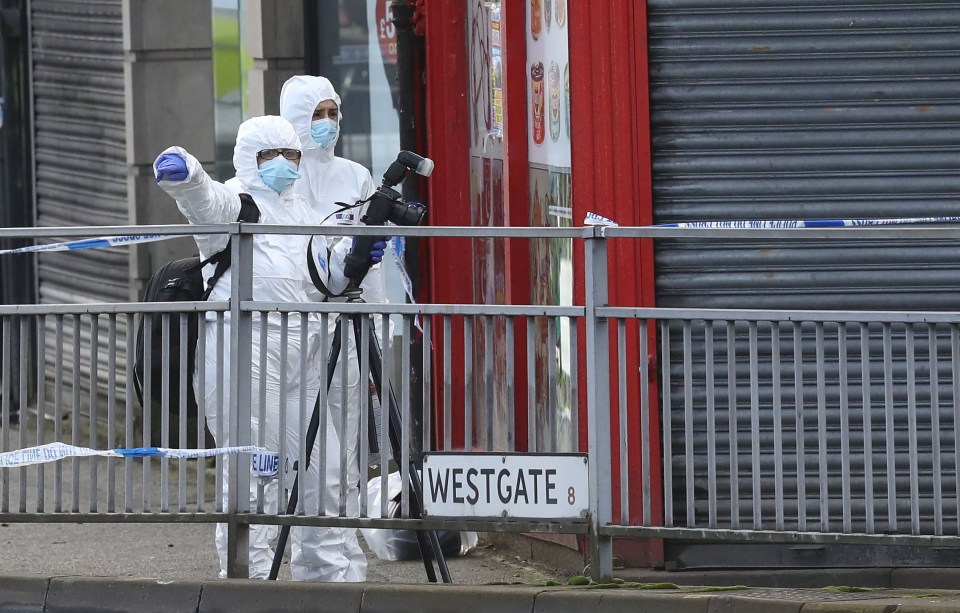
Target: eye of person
269, 154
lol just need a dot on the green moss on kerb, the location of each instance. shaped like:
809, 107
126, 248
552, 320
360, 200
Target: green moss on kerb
847, 588
721, 588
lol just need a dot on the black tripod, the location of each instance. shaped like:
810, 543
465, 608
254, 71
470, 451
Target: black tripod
427, 539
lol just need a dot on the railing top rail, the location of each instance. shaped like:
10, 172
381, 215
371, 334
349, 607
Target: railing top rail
295, 307
257, 228
918, 232
110, 307
758, 315
508, 310
915, 232
493, 310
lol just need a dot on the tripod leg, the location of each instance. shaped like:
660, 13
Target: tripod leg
311, 438
396, 441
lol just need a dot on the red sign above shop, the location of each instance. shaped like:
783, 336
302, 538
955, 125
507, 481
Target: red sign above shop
386, 31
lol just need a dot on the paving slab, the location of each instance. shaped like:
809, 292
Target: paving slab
770, 577
242, 595
22, 594
110, 595
930, 578
116, 595
759, 603
643, 601
568, 601
447, 598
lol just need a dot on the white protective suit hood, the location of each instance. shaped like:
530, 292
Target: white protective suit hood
299, 98
255, 135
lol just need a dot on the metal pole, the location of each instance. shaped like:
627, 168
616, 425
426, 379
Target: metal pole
409, 89
241, 360
598, 407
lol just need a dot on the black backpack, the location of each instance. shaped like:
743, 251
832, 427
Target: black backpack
178, 281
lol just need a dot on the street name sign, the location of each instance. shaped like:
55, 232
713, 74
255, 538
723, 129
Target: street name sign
514, 485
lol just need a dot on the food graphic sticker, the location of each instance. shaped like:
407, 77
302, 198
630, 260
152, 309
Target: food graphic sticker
554, 79
547, 12
566, 89
536, 101
536, 18
561, 12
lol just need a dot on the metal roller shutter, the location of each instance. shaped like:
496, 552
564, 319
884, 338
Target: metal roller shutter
81, 171
782, 109
80, 156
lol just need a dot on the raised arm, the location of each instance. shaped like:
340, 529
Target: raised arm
201, 199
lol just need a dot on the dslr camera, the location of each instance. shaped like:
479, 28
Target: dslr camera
386, 204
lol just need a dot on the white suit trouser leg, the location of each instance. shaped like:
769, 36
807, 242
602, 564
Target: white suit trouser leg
317, 554
216, 394
334, 554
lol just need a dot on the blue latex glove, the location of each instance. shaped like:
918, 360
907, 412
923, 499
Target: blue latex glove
171, 166
376, 251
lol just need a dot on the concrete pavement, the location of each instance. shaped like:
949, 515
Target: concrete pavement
184, 552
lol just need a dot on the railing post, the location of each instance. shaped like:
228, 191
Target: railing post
598, 406
241, 360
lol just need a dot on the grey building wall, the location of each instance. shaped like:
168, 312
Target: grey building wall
114, 83
275, 42
168, 87
170, 99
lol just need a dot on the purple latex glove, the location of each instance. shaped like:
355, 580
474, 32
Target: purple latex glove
376, 251
170, 167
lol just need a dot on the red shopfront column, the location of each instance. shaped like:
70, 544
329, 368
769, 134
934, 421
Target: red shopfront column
461, 39
447, 125
612, 176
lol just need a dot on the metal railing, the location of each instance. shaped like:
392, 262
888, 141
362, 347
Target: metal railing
764, 426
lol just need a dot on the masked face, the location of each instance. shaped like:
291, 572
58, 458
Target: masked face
324, 132
278, 173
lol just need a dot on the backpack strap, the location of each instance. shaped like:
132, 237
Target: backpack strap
249, 213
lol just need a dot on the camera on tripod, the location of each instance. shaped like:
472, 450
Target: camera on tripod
386, 204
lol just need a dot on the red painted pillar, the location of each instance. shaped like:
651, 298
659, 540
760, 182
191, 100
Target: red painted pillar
446, 63
612, 176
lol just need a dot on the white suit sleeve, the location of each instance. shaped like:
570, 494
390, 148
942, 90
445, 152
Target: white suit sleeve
368, 187
203, 201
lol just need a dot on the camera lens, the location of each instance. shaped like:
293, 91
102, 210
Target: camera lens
407, 214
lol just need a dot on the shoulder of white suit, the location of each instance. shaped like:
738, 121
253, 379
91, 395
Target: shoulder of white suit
358, 169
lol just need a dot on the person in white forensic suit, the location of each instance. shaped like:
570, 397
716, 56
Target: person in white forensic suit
267, 158
312, 105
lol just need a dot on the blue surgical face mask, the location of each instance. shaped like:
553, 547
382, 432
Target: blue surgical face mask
324, 132
278, 173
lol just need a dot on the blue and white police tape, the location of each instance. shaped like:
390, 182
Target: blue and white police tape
594, 219
591, 219
265, 465
778, 224
90, 243
51, 452
399, 245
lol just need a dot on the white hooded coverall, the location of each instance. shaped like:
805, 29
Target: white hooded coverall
279, 275
326, 180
